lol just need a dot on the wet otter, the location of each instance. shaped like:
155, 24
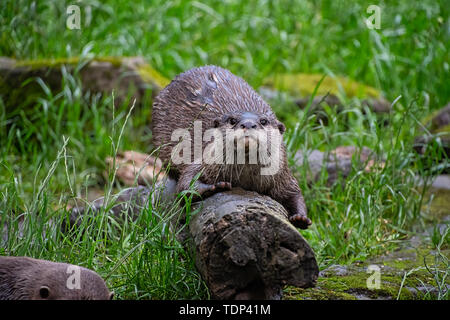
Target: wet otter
212, 97
23, 278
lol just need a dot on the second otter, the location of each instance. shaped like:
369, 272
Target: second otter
24, 278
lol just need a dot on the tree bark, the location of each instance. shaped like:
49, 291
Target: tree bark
245, 247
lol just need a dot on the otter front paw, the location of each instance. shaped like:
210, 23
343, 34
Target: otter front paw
300, 221
207, 190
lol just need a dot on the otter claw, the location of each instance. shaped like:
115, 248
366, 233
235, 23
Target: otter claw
300, 221
223, 185
208, 190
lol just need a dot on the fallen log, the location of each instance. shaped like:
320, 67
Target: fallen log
246, 248
243, 245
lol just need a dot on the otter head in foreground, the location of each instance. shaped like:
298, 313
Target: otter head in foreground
211, 125
23, 278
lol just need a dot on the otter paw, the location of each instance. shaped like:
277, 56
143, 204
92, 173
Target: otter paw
210, 189
300, 221
223, 185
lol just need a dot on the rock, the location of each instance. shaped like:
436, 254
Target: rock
99, 75
128, 203
301, 86
377, 105
438, 124
436, 206
135, 167
441, 181
442, 118
314, 160
427, 289
335, 269
402, 274
13, 226
338, 162
18, 224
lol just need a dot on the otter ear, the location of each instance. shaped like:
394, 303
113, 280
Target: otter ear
111, 295
281, 127
44, 292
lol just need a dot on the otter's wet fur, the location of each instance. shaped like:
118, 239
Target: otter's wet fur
214, 95
24, 278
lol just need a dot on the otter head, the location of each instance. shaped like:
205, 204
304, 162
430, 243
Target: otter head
55, 283
249, 136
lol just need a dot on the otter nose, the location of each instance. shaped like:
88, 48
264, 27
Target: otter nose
248, 124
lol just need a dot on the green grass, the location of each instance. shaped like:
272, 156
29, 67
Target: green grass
54, 152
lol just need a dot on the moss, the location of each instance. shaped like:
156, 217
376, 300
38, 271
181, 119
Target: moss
353, 284
147, 73
55, 63
292, 293
303, 84
353, 287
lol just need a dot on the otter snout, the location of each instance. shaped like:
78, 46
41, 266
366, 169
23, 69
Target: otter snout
248, 124
248, 120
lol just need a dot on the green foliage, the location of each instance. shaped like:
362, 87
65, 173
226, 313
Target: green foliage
254, 39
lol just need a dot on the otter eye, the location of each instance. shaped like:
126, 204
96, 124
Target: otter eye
232, 121
44, 292
263, 121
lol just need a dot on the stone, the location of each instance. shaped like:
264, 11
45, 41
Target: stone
438, 125
300, 87
136, 168
338, 162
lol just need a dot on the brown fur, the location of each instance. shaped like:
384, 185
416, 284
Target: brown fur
210, 94
23, 278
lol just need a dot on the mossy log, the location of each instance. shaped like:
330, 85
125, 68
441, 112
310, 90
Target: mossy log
129, 77
242, 242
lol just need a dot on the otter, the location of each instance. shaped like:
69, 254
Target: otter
24, 278
217, 99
